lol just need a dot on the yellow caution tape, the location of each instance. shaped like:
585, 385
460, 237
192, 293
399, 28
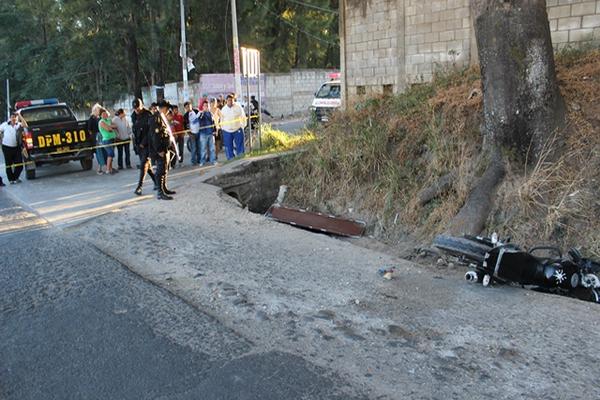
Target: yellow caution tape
178, 133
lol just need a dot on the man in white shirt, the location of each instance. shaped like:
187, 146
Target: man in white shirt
233, 122
123, 137
192, 116
11, 148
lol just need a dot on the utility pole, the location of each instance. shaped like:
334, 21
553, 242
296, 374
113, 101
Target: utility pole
184, 58
7, 99
236, 50
259, 103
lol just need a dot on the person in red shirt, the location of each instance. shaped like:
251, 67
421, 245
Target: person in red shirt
179, 133
203, 99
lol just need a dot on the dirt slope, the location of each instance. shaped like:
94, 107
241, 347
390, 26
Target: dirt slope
373, 161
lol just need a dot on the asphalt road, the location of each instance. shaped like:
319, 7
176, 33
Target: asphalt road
289, 126
294, 314
76, 324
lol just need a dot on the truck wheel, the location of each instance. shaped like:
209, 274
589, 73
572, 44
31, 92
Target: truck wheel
86, 164
30, 174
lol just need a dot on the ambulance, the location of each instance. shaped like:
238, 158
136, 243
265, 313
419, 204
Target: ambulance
327, 99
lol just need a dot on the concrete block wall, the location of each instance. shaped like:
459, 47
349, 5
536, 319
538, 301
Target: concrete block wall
402, 42
437, 33
305, 82
292, 93
278, 97
573, 22
371, 42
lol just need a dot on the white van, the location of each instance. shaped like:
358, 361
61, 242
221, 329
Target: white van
327, 99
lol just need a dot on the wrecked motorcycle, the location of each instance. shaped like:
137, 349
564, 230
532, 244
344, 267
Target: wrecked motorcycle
543, 268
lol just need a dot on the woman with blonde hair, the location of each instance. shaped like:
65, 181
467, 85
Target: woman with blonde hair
92, 127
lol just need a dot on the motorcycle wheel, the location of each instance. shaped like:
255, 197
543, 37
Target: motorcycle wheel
468, 249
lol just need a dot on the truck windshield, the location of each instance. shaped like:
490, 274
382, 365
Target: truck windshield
48, 114
329, 91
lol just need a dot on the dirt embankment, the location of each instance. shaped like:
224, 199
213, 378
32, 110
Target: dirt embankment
375, 160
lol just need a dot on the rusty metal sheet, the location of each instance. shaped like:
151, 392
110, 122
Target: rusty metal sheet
317, 221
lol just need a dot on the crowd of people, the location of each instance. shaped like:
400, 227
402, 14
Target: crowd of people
158, 135
112, 134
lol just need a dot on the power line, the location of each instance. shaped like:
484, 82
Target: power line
329, 10
296, 26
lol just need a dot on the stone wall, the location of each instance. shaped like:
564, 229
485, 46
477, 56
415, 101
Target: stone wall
389, 44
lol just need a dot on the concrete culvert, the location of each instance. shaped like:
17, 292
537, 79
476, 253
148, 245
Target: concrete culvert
255, 183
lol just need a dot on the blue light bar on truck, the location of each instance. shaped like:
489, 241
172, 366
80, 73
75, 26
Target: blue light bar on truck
29, 103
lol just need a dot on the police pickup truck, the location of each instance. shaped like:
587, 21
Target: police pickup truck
53, 135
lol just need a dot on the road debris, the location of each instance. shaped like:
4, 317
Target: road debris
283, 189
317, 221
387, 273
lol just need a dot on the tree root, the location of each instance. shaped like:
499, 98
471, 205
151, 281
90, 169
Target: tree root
440, 186
472, 216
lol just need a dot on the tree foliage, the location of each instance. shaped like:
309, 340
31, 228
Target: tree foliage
83, 51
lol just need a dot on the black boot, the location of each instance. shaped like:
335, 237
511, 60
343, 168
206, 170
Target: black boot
144, 169
164, 187
138, 190
162, 195
154, 179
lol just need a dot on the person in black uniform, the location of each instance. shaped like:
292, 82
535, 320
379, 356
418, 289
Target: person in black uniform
140, 118
254, 104
254, 111
161, 139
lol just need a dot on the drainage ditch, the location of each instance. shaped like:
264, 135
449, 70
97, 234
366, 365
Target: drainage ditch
254, 184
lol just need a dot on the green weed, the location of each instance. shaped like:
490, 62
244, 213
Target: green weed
275, 141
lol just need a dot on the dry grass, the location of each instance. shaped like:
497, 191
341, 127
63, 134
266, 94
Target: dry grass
558, 199
371, 161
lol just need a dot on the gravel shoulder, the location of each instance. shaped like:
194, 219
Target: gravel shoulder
426, 334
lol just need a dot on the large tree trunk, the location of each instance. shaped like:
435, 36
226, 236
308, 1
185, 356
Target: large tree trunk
521, 102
